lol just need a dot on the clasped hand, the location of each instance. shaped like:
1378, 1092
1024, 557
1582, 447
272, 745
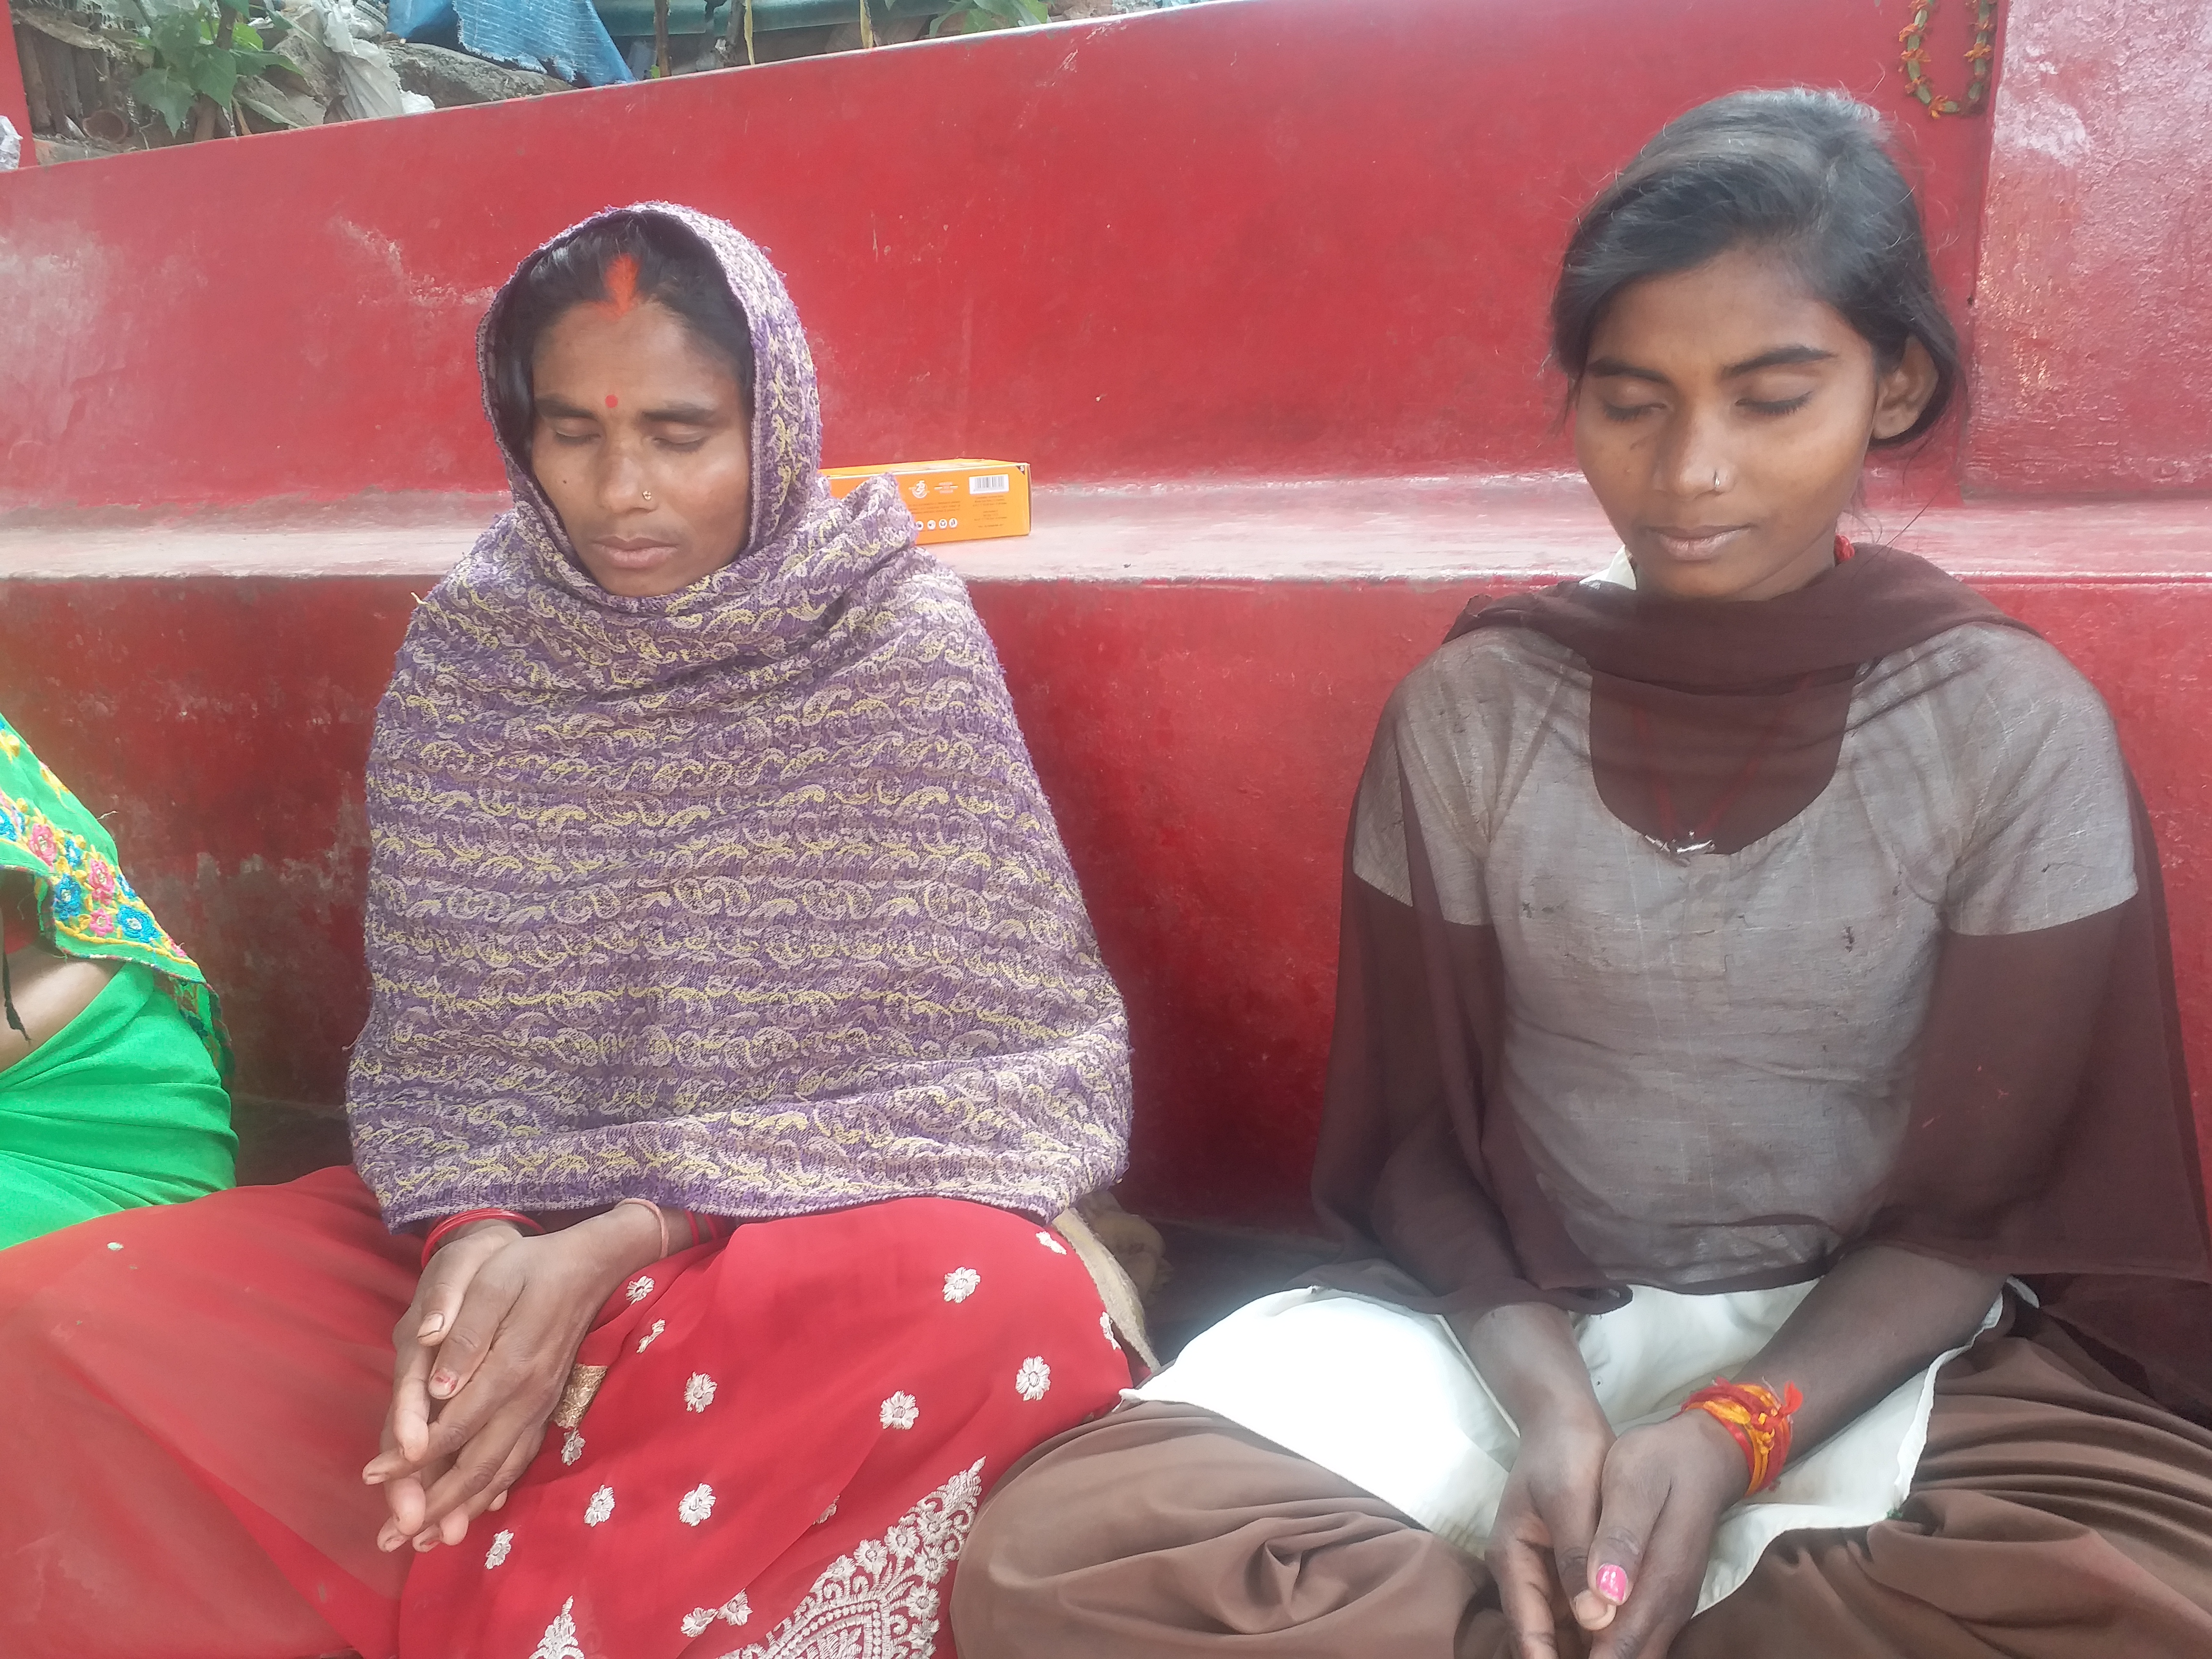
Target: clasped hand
483, 1354
1605, 1539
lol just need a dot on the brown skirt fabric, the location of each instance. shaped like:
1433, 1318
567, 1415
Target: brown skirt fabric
2052, 1517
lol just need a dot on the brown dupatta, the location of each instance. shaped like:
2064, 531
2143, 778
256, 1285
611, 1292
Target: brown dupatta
2050, 1136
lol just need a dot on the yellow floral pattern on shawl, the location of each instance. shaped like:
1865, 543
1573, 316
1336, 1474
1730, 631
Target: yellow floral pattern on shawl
745, 899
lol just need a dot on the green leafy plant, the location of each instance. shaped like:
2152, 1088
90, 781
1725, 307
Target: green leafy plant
201, 49
973, 16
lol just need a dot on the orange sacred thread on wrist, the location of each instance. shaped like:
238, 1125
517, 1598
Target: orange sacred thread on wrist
1757, 1421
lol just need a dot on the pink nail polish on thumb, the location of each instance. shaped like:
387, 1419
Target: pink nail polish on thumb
1613, 1583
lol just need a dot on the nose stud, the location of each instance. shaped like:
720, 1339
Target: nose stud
648, 494
1716, 482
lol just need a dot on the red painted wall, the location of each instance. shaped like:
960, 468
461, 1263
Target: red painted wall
1199, 743
1281, 238
2094, 306
221, 727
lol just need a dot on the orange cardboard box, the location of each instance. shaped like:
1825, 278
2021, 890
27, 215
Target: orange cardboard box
952, 500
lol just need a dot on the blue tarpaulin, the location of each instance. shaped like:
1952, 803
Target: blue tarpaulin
559, 37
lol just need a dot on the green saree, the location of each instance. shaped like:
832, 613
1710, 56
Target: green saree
123, 1106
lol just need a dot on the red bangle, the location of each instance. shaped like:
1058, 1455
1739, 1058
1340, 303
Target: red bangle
444, 1230
706, 1228
1758, 1422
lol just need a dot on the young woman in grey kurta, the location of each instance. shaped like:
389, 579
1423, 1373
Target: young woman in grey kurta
1755, 1000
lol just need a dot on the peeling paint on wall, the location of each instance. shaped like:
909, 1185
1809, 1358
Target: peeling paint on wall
2093, 310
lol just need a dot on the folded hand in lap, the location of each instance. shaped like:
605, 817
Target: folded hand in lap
1623, 1550
1546, 1517
1578, 1502
483, 1352
1666, 1488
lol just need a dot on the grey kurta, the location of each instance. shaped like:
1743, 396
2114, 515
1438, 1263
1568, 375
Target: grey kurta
1708, 1055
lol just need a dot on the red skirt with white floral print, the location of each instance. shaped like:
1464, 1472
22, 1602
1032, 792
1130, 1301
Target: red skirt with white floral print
791, 1434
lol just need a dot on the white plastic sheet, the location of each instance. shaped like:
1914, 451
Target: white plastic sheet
342, 42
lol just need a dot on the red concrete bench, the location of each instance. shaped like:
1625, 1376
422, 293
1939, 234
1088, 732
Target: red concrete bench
1198, 725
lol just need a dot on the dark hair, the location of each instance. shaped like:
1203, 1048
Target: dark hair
1807, 174
671, 267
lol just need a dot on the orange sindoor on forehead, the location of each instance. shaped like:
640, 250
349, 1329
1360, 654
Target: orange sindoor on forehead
622, 285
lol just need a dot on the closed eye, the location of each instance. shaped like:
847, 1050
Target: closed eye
1626, 411
1778, 406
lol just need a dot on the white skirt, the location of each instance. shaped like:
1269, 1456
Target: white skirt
1389, 1401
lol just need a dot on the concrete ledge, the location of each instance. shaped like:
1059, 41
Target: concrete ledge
1359, 530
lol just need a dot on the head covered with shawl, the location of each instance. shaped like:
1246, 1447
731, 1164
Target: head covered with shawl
743, 898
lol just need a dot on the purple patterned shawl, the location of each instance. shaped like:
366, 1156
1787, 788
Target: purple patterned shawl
744, 899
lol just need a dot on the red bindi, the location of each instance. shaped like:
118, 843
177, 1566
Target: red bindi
612, 400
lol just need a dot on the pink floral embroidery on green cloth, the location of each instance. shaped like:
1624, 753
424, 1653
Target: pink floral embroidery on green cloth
86, 906
89, 900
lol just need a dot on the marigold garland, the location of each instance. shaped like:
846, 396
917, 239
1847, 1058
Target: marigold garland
1980, 57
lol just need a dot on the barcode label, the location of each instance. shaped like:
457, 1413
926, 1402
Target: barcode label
990, 483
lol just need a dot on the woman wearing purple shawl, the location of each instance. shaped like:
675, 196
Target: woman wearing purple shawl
738, 1037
